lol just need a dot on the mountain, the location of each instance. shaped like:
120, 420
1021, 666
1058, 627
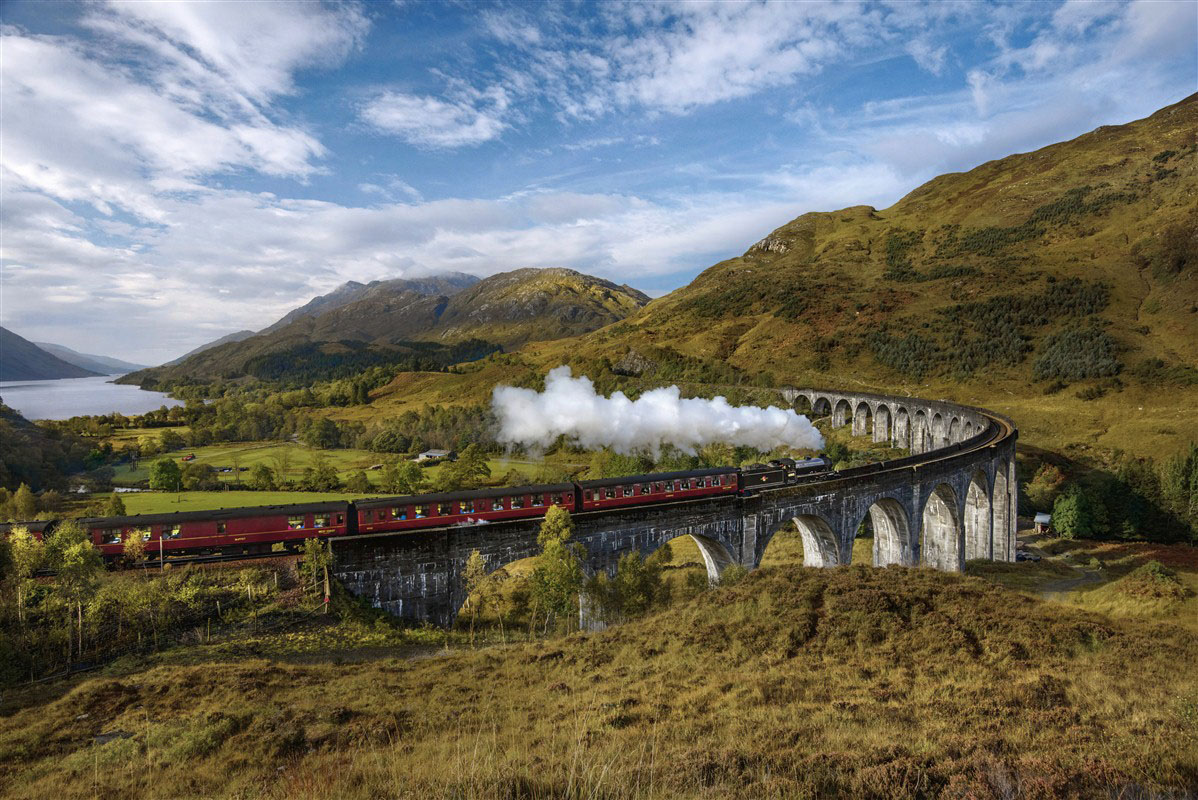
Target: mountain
1059, 285
445, 284
390, 321
237, 336
1076, 262
103, 365
22, 360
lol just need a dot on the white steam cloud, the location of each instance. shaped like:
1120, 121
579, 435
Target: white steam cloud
570, 406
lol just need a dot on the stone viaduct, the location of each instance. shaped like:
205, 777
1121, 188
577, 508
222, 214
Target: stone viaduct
951, 500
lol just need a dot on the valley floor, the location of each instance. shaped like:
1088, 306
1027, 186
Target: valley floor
795, 682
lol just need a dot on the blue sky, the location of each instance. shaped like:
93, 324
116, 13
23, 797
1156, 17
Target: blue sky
174, 171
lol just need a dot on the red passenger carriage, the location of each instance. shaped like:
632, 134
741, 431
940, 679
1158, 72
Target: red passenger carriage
234, 530
461, 508
663, 486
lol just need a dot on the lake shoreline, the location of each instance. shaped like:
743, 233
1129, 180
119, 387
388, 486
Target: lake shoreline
73, 397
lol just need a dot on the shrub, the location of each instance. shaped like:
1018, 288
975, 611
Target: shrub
1076, 354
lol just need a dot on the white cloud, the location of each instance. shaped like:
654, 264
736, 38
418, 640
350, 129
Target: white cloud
429, 122
928, 58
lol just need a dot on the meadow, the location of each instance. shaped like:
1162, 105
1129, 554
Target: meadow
794, 682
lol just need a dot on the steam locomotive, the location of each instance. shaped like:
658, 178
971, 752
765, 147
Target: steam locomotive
254, 530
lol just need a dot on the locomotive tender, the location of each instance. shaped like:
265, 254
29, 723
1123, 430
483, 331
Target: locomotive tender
256, 530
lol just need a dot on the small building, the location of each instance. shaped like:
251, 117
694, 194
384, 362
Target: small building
1043, 523
429, 455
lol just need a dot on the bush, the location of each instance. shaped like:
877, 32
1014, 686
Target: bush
1077, 354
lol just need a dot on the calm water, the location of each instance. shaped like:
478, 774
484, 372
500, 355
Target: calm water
76, 396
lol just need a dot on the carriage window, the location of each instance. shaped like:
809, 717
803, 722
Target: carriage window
466, 507
557, 499
444, 509
220, 527
321, 521
399, 512
645, 488
517, 502
627, 491
381, 514
609, 492
538, 499
497, 504
295, 523
421, 512
587, 495
170, 532
110, 537
340, 519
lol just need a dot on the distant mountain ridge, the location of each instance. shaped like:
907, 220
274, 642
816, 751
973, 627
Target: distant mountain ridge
22, 360
237, 336
104, 365
445, 284
504, 310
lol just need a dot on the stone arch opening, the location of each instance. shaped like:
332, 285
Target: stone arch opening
940, 531
501, 602
820, 545
954, 431
1001, 516
882, 432
862, 419
977, 519
902, 429
921, 434
842, 414
694, 555
861, 548
822, 407
892, 533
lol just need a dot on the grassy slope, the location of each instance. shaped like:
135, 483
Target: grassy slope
835, 263
506, 309
849, 681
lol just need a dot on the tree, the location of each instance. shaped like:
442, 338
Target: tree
321, 476
23, 503
28, 553
170, 440
135, 547
359, 482
557, 575
315, 564
116, 506
1045, 486
78, 573
468, 472
323, 433
262, 478
1074, 513
166, 476
202, 477
475, 578
281, 461
636, 587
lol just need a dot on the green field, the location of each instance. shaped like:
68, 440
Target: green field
164, 502
299, 456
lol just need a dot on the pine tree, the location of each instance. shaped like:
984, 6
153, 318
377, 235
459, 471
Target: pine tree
116, 506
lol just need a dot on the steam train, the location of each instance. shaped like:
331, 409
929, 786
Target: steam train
255, 530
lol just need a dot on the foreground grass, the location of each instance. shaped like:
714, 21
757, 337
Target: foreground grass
797, 682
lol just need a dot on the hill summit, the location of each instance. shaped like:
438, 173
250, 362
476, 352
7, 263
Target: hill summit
436, 321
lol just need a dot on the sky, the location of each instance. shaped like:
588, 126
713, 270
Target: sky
171, 172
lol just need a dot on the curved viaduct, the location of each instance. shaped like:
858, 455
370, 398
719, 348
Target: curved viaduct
951, 500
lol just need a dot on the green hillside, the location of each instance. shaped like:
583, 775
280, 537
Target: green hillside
844, 682
394, 322
1059, 285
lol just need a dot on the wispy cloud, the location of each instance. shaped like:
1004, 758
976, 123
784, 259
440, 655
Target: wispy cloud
471, 119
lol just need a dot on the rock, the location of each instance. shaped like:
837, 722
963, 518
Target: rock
633, 364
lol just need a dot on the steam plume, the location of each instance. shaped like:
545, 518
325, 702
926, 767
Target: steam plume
659, 417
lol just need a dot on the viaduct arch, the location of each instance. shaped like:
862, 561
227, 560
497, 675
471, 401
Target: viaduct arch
951, 500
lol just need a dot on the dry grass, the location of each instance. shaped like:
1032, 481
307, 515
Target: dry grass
796, 682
